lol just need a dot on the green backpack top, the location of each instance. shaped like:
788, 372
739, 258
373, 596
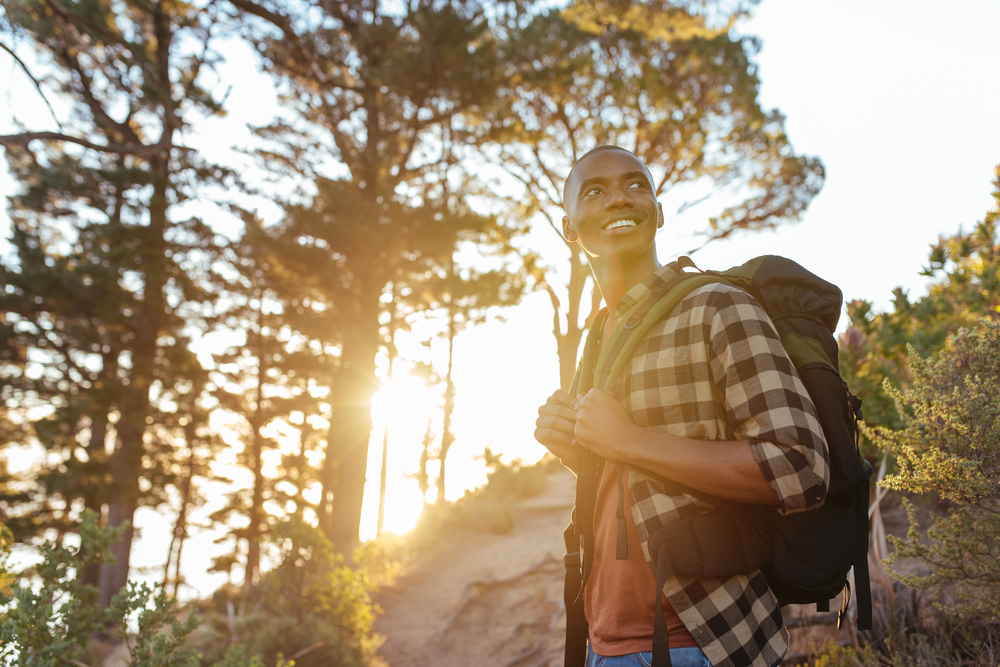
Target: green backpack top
805, 557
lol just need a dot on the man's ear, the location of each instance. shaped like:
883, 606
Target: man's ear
659, 215
568, 232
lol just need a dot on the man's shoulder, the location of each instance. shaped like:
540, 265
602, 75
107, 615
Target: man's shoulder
705, 312
721, 299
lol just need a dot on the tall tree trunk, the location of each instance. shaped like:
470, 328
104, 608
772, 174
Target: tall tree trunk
126, 462
256, 509
568, 340
90, 575
180, 526
392, 353
257, 462
382, 479
329, 478
351, 426
301, 466
423, 479
447, 438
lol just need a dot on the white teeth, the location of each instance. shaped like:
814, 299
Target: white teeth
619, 224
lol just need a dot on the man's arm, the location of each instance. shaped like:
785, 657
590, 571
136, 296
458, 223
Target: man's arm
776, 438
723, 469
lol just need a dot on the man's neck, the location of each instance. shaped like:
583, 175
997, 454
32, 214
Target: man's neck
615, 278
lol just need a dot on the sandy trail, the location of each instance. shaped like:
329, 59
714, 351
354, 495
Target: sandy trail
496, 600
484, 599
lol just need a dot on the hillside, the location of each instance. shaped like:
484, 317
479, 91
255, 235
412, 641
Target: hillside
496, 600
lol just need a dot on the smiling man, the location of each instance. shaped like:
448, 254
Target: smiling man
709, 399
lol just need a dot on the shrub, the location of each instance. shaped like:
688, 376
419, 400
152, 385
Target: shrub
835, 655
310, 610
950, 446
47, 616
312, 606
514, 480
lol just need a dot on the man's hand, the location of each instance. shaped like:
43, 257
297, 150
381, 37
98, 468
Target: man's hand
725, 469
603, 426
555, 424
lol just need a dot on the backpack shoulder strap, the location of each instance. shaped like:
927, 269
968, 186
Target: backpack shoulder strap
637, 322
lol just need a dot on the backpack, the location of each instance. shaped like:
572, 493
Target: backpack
805, 557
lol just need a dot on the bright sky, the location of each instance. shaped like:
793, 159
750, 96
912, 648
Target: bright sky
899, 98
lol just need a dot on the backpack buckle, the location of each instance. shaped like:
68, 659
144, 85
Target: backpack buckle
629, 324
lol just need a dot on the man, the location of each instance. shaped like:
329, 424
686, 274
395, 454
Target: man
709, 399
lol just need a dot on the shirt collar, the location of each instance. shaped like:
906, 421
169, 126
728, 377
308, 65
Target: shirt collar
638, 293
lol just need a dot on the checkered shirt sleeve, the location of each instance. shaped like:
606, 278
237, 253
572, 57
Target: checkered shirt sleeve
715, 369
766, 402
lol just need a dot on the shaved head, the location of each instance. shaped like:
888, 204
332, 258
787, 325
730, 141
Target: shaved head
569, 187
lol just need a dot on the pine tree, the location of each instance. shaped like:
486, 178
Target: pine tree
381, 93
94, 217
670, 81
463, 299
264, 379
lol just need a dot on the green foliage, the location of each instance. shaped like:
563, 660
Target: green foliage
950, 445
48, 614
6, 540
487, 509
835, 655
381, 559
312, 607
514, 480
668, 80
311, 610
966, 287
904, 634
160, 639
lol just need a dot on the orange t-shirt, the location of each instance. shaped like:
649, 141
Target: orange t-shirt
619, 598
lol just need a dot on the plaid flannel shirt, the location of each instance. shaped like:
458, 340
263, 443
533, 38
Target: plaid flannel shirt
715, 369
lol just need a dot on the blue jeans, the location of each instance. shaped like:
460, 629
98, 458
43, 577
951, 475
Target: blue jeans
679, 657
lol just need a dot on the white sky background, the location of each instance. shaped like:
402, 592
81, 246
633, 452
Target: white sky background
899, 98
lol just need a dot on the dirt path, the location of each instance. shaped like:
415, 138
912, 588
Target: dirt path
483, 599
496, 600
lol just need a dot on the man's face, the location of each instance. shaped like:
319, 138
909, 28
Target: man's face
610, 205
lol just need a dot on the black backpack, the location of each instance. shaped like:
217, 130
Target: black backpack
805, 557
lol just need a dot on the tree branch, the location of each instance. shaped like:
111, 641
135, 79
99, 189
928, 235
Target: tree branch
25, 138
284, 23
38, 86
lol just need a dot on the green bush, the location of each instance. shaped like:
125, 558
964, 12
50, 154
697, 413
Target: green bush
311, 605
308, 642
835, 655
311, 610
47, 616
486, 509
514, 480
950, 446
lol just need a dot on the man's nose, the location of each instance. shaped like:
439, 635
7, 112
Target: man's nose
619, 198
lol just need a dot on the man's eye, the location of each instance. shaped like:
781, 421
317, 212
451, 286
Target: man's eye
593, 191
636, 185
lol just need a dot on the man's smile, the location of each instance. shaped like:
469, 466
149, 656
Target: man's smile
621, 224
